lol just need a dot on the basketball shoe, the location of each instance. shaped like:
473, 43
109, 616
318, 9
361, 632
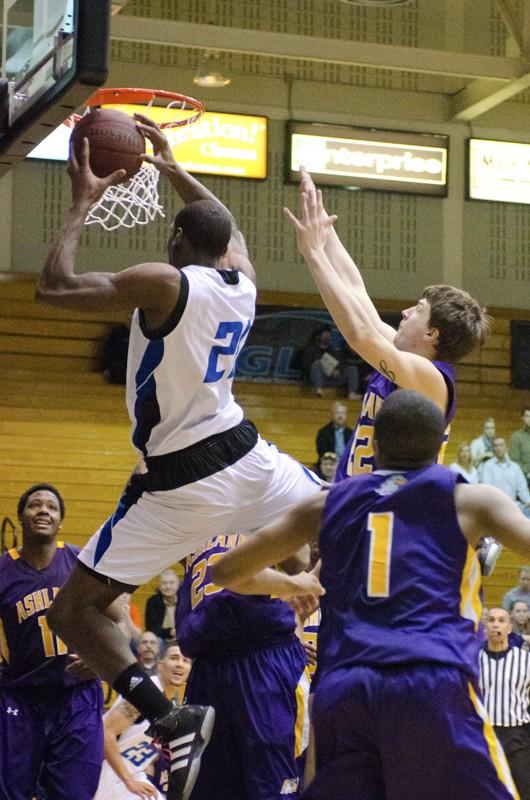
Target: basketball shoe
182, 734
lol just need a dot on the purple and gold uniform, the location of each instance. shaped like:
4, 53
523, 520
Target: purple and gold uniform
311, 628
358, 456
397, 704
50, 722
249, 665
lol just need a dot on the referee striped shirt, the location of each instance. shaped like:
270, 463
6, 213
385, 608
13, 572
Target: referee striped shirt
505, 685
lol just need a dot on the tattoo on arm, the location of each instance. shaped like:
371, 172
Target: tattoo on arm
383, 369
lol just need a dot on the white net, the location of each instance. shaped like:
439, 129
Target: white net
134, 202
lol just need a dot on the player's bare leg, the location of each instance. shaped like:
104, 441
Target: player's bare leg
78, 617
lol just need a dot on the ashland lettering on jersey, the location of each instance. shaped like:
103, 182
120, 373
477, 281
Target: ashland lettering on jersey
371, 405
34, 602
227, 541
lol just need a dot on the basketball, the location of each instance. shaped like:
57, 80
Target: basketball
115, 142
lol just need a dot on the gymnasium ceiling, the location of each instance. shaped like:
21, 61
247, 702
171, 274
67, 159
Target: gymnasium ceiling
443, 61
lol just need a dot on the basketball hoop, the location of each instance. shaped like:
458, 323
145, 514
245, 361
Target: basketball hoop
136, 201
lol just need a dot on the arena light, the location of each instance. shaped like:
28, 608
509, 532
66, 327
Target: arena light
209, 74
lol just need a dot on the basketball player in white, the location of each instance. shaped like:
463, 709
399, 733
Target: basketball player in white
207, 468
129, 752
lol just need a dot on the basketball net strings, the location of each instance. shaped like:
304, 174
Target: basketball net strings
135, 202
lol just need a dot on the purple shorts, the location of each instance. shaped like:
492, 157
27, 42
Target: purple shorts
409, 733
58, 743
251, 755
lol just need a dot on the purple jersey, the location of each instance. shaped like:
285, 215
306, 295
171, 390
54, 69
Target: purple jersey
402, 583
213, 621
32, 656
358, 456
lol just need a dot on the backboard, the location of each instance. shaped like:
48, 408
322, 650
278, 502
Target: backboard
54, 52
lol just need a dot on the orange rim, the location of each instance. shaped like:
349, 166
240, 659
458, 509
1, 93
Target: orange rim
109, 96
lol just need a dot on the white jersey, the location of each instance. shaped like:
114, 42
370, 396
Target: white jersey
138, 754
179, 378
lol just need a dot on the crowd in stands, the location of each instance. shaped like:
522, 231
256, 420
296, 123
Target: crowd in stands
488, 459
326, 363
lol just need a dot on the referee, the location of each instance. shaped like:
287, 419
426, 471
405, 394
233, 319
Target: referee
505, 684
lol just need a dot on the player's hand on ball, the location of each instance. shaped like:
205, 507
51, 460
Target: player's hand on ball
162, 157
86, 187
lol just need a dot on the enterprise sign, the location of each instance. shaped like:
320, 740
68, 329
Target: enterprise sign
499, 171
218, 144
388, 160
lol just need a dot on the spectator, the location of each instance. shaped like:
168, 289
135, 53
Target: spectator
327, 467
482, 446
464, 464
520, 616
505, 685
160, 608
506, 475
147, 651
334, 436
323, 366
519, 592
520, 444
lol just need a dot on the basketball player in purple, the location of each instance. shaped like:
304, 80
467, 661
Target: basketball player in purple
397, 710
250, 666
445, 325
50, 714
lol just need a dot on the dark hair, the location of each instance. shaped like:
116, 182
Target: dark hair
40, 487
461, 322
409, 429
164, 647
207, 226
514, 603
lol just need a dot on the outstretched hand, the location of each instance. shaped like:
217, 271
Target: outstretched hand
162, 157
87, 188
315, 224
304, 591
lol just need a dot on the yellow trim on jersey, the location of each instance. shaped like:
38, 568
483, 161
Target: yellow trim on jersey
494, 746
443, 448
4, 649
470, 602
301, 726
15, 554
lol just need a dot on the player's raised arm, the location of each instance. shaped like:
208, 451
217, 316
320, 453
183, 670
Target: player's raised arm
484, 510
151, 286
190, 189
245, 568
344, 266
410, 370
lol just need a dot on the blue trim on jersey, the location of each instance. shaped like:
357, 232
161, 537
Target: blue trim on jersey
311, 476
146, 407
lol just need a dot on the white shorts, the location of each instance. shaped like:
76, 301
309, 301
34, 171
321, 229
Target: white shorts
158, 528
